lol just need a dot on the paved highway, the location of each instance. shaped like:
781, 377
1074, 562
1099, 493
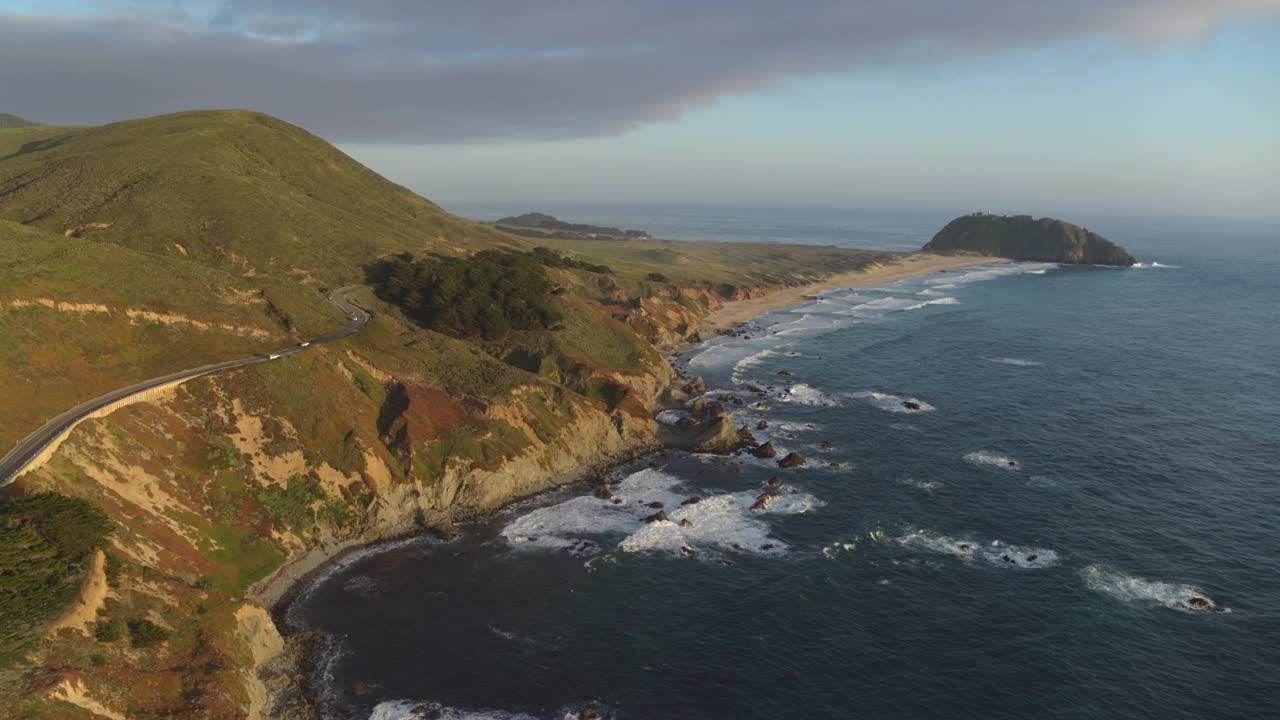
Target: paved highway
32, 445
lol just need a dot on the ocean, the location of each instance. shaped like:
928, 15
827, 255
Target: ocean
1033, 470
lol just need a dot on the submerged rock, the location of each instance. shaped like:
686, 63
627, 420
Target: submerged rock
694, 500
827, 445
655, 505
357, 689
908, 404
686, 523
775, 481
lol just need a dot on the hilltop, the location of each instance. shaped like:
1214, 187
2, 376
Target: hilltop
236, 190
1021, 237
541, 225
9, 120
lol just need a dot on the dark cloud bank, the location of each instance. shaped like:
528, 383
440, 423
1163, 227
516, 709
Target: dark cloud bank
411, 71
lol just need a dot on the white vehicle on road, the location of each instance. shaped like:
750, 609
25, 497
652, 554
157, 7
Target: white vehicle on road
273, 356
305, 344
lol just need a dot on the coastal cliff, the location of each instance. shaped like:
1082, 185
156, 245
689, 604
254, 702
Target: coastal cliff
1021, 237
216, 495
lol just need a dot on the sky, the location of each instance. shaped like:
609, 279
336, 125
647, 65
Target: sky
1129, 107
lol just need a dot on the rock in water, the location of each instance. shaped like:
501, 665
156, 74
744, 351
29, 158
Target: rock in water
791, 460
827, 445
764, 501
762, 424
659, 516
699, 407
910, 405
655, 505
1020, 237
692, 500
765, 451
775, 481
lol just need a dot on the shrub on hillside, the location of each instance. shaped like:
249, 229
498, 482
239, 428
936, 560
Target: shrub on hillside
487, 295
144, 633
45, 540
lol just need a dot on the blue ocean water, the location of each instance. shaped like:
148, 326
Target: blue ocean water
1122, 426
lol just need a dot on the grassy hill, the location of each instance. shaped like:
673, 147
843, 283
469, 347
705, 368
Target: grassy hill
9, 120
235, 190
1021, 237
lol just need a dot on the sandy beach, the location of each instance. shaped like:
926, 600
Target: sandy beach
734, 313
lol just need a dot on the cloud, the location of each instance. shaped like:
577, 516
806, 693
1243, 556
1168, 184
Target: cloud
424, 71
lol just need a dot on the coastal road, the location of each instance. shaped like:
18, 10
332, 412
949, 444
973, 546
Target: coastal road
32, 445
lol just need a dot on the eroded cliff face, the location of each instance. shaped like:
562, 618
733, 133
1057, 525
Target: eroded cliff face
227, 489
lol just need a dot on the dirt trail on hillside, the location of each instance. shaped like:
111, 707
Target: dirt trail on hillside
92, 595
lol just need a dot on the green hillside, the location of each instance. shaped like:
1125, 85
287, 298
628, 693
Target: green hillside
80, 318
236, 190
1021, 237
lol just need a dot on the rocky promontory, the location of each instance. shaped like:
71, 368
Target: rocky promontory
1022, 237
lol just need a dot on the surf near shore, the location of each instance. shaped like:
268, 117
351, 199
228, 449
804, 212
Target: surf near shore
736, 312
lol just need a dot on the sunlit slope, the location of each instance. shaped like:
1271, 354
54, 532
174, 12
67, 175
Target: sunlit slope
237, 190
79, 318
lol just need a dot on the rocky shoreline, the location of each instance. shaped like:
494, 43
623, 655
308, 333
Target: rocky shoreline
697, 423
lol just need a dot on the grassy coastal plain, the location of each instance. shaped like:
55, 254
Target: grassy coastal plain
145, 247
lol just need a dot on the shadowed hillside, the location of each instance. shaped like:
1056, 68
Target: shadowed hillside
9, 120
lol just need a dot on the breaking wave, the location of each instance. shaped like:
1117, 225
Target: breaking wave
584, 525
893, 403
1016, 362
996, 552
1175, 596
802, 394
991, 459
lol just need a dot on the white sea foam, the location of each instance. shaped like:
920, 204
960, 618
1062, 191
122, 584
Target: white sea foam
670, 417
987, 272
992, 459
1016, 362
938, 301
720, 521
834, 549
403, 710
996, 552
925, 485
803, 394
892, 403
1154, 264
880, 306
361, 585
1175, 596
751, 362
